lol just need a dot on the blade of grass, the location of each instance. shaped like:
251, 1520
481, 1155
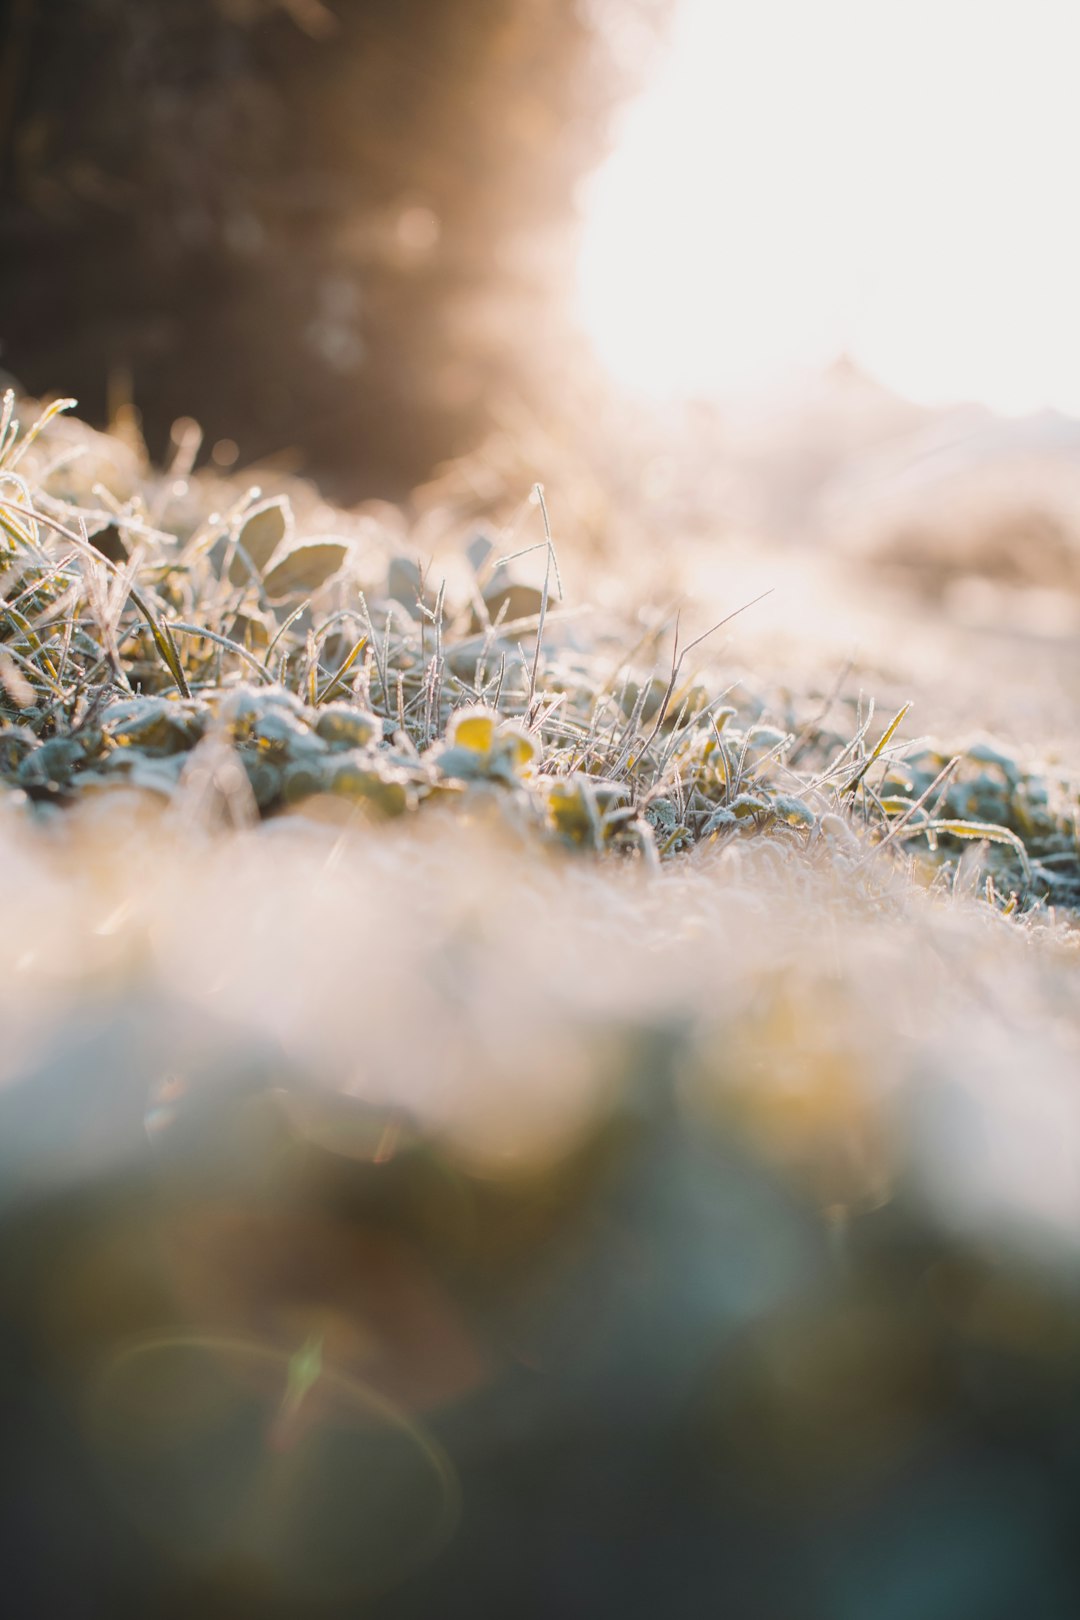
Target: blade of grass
343, 669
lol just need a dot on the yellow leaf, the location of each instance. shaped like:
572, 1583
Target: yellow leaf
473, 729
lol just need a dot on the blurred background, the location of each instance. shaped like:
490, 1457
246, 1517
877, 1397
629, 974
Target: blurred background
777, 272
336, 233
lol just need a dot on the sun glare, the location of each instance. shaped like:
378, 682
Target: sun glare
892, 179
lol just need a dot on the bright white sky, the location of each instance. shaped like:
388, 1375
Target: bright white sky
899, 179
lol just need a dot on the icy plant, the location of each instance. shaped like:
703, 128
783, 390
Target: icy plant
155, 625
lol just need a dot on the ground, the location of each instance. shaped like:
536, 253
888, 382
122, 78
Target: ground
677, 1039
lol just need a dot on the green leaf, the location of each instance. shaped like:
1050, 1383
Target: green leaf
164, 643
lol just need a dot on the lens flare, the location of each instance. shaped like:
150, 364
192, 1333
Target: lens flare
234, 1455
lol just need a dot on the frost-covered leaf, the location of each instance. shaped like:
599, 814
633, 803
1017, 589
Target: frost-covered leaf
794, 810
344, 725
721, 817
514, 745
404, 583
154, 725
266, 528
518, 601
281, 732
303, 778
750, 804
353, 778
50, 765
305, 567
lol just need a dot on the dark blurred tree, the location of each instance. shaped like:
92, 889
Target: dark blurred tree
334, 226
